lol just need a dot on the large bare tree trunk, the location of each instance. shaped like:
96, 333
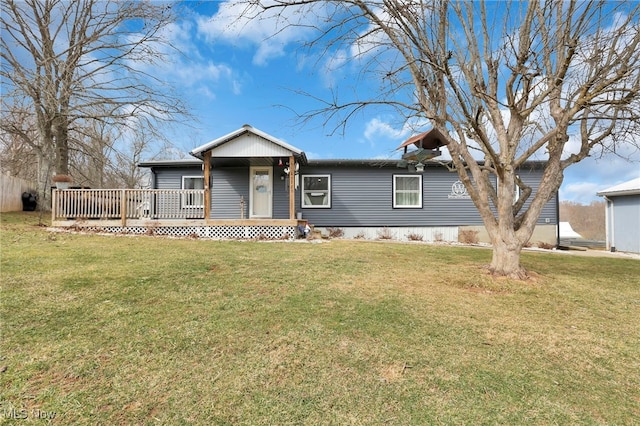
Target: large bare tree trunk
506, 254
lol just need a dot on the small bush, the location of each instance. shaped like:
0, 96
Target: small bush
415, 237
385, 234
546, 246
438, 237
335, 232
468, 236
360, 236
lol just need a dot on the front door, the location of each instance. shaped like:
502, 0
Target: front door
261, 192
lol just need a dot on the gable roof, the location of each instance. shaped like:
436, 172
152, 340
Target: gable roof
631, 187
248, 142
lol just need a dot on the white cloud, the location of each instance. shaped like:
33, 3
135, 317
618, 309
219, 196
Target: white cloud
271, 31
376, 129
580, 192
332, 68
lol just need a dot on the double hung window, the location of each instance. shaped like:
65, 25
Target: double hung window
407, 191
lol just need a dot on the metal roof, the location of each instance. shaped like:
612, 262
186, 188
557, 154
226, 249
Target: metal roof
631, 187
171, 163
365, 162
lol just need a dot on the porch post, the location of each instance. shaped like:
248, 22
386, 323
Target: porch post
207, 190
292, 189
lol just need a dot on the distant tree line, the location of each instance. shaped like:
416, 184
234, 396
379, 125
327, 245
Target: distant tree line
586, 220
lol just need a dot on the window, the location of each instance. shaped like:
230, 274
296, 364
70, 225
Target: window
193, 200
407, 191
316, 191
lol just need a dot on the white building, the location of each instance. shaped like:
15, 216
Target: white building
623, 216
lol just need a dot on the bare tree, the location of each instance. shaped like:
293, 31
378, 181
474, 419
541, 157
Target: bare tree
508, 82
18, 149
68, 62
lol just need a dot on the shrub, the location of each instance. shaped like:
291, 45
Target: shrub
546, 246
360, 236
335, 232
385, 234
438, 237
468, 236
415, 237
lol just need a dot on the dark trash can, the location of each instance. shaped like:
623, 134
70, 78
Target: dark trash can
29, 202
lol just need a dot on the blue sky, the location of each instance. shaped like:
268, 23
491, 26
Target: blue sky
233, 73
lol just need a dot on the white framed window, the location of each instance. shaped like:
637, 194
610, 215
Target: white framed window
193, 200
316, 191
407, 191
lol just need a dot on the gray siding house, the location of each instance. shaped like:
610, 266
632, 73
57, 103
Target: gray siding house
249, 176
623, 216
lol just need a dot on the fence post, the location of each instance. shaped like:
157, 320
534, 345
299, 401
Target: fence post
123, 207
53, 205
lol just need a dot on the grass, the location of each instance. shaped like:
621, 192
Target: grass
146, 330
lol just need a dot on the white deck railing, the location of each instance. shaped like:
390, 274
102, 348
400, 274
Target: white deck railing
123, 204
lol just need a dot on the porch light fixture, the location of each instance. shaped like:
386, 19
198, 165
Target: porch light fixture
419, 167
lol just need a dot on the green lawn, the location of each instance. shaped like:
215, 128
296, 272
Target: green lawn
146, 330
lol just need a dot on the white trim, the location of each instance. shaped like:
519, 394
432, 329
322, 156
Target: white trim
609, 224
420, 190
183, 200
242, 131
316, 192
252, 170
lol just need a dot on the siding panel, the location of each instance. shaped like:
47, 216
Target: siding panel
362, 196
626, 214
229, 186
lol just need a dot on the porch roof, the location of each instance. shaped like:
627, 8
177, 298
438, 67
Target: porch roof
248, 142
631, 187
171, 163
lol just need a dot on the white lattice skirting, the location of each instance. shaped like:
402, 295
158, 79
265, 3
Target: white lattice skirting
211, 232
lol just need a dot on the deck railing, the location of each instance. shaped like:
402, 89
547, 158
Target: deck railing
123, 204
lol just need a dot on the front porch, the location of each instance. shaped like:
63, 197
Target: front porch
157, 212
